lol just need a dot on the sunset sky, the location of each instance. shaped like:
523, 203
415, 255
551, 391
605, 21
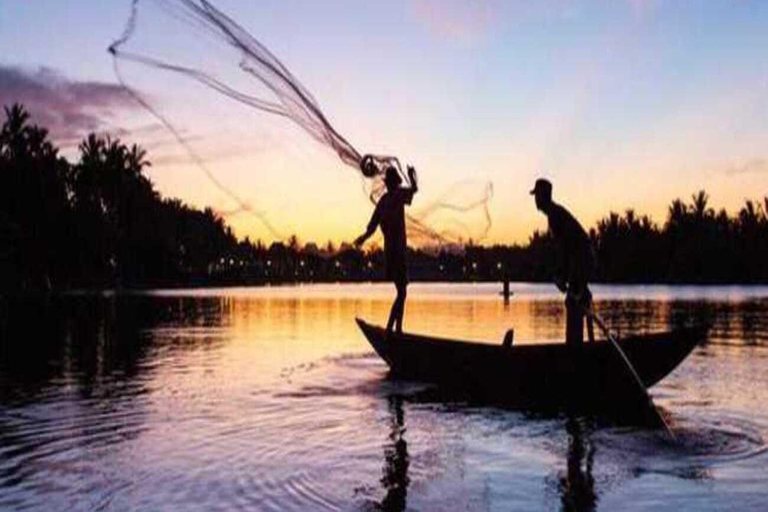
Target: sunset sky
621, 103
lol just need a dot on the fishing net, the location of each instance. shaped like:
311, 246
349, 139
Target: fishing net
196, 40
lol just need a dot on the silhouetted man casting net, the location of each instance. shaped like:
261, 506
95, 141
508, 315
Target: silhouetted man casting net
390, 215
575, 262
211, 49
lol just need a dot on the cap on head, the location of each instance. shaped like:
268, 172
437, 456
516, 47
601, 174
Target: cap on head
542, 188
392, 177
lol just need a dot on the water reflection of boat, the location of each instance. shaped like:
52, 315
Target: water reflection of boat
539, 374
576, 484
395, 473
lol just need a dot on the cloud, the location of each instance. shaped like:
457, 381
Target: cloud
470, 19
644, 7
754, 166
456, 19
69, 109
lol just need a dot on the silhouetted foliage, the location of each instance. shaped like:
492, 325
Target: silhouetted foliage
695, 245
99, 222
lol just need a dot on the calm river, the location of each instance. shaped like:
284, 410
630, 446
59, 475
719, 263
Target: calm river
271, 399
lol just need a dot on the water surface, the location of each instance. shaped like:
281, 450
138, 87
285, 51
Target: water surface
270, 399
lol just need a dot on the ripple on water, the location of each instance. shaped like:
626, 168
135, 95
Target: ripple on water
697, 446
55, 451
726, 440
183, 423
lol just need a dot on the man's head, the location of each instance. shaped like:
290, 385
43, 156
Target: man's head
368, 166
392, 178
542, 191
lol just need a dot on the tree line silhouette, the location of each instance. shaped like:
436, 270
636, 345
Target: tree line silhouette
99, 222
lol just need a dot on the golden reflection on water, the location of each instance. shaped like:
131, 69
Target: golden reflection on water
271, 399
260, 332
316, 326
310, 320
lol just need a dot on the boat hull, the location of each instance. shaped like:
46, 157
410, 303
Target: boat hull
541, 375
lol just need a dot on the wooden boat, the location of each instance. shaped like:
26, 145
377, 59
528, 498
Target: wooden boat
537, 375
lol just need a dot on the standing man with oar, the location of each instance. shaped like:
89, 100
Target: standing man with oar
575, 263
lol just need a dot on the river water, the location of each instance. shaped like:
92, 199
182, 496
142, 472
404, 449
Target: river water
271, 399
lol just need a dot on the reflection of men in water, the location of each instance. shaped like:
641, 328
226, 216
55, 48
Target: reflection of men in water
390, 214
395, 479
577, 486
575, 262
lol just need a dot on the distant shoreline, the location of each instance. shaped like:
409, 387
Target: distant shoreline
127, 291
99, 223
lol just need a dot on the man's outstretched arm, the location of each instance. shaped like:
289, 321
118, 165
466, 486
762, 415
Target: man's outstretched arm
414, 185
371, 229
412, 178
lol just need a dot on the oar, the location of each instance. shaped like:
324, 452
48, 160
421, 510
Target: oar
631, 369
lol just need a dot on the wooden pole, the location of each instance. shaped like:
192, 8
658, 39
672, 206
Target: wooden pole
628, 366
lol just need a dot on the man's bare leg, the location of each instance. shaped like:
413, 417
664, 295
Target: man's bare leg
392, 316
587, 311
402, 293
396, 313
